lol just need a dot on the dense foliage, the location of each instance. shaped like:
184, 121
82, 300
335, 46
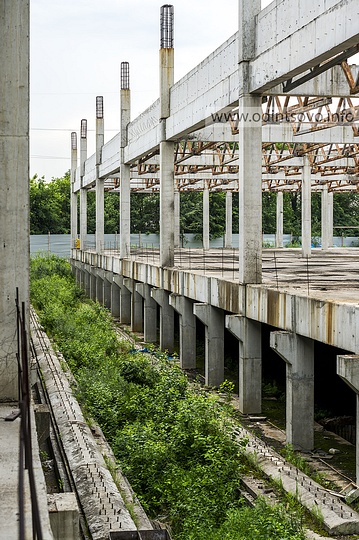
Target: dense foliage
173, 442
50, 211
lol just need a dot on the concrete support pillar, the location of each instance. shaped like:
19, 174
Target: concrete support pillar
306, 208
125, 300
348, 370
177, 218
87, 285
228, 238
83, 191
187, 326
14, 190
73, 196
136, 305
327, 218
166, 319
206, 216
249, 334
298, 354
166, 68
107, 286
115, 299
149, 313
125, 192
99, 286
100, 183
64, 516
213, 319
93, 283
279, 228
250, 152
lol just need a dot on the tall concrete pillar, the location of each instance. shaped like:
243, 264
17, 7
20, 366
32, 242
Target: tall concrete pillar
100, 183
228, 238
14, 184
187, 326
99, 285
125, 300
83, 191
125, 188
249, 334
87, 285
327, 218
206, 216
177, 218
306, 208
250, 152
73, 195
115, 299
136, 305
279, 221
93, 284
166, 319
213, 319
149, 313
298, 354
348, 370
167, 222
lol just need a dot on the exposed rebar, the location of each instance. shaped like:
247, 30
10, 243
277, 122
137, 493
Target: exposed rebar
167, 16
125, 76
74, 140
83, 129
99, 106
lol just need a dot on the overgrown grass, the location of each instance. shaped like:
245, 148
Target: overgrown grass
174, 444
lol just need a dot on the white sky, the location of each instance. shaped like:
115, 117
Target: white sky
77, 47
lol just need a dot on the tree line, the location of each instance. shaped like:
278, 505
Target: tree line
50, 211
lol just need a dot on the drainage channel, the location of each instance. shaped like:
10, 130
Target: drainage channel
103, 506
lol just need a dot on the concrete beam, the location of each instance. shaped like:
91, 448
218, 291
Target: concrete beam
249, 334
166, 319
187, 325
298, 354
213, 319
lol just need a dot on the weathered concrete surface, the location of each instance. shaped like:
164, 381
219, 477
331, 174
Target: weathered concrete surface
9, 480
14, 190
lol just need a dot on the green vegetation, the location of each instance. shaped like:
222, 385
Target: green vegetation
50, 211
173, 442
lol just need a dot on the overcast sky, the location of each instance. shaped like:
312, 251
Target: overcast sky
76, 51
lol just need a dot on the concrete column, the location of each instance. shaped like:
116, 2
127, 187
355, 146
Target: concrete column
166, 319
100, 183
115, 300
298, 354
229, 225
14, 184
73, 195
107, 286
213, 319
136, 305
348, 370
249, 334
86, 285
93, 283
177, 218
327, 218
125, 191
205, 216
99, 286
250, 152
187, 326
83, 191
166, 68
279, 229
149, 313
125, 300
306, 209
